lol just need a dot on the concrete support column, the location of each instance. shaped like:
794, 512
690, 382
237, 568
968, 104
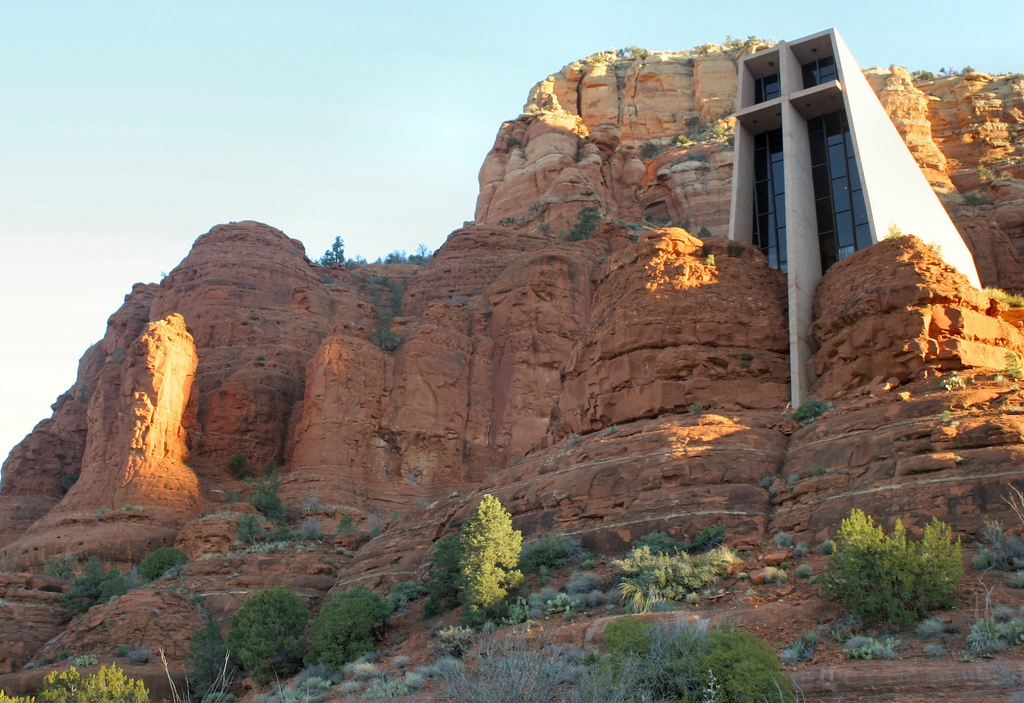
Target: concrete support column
741, 221
802, 251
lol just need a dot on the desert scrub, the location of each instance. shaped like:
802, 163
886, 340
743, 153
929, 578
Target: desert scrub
647, 662
405, 592
887, 578
801, 650
444, 583
660, 543
157, 563
93, 587
552, 552
870, 648
108, 685
348, 626
207, 661
268, 634
810, 410
650, 578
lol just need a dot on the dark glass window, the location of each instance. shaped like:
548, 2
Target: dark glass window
767, 88
770, 198
838, 199
817, 72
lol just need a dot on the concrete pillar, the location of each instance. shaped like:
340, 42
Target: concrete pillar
741, 221
802, 251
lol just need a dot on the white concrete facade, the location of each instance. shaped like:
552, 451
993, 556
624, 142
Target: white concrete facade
892, 187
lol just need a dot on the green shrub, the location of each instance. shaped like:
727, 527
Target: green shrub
647, 662
266, 500
268, 634
93, 587
984, 559
61, 567
385, 338
985, 174
239, 466
67, 481
887, 578
1004, 552
801, 650
334, 255
346, 524
650, 578
490, 555
157, 563
709, 537
444, 584
108, 685
404, 592
4, 698
455, 641
379, 690
587, 220
551, 552
870, 648
648, 150
1011, 300
783, 540
208, 669
248, 529
659, 543
347, 627
811, 409
827, 547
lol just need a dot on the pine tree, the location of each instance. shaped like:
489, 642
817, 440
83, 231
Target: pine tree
334, 255
490, 555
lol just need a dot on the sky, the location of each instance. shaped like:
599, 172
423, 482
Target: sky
128, 129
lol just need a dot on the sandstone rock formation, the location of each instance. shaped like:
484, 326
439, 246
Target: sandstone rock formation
601, 383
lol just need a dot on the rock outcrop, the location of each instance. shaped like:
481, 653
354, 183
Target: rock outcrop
134, 491
602, 376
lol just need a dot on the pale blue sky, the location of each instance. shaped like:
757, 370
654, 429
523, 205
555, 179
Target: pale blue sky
127, 129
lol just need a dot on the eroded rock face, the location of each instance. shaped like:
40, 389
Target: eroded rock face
32, 615
44, 465
156, 618
895, 311
679, 322
133, 471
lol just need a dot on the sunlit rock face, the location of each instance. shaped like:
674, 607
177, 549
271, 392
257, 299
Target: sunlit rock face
134, 491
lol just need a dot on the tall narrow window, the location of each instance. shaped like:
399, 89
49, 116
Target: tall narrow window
767, 88
838, 198
821, 71
770, 198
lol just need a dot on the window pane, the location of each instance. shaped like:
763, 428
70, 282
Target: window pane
775, 141
761, 192
854, 173
840, 194
819, 176
819, 153
833, 124
782, 244
761, 165
860, 212
844, 229
810, 79
778, 177
837, 160
862, 234
761, 141
780, 210
823, 208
